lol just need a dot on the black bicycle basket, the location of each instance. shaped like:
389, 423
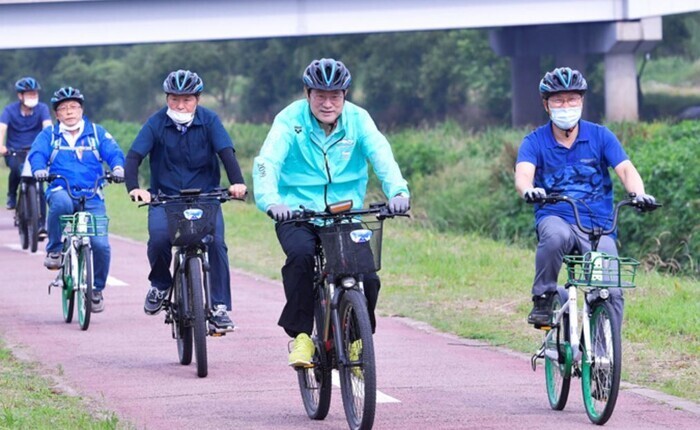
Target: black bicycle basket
189, 223
352, 248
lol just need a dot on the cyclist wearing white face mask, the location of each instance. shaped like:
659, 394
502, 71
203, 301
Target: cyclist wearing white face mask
572, 157
20, 123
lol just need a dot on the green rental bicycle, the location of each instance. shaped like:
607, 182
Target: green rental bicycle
75, 277
587, 342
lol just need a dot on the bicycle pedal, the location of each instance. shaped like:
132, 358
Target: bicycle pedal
543, 327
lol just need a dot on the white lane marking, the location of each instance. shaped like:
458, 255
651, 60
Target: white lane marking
110, 279
381, 397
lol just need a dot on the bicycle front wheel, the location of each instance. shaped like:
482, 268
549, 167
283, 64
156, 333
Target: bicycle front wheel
21, 217
315, 382
32, 218
358, 382
182, 329
558, 358
199, 324
601, 370
85, 285
67, 292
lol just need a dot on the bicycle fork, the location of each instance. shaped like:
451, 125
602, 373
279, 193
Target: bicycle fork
347, 283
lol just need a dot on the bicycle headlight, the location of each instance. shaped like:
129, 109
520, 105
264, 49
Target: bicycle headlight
604, 293
348, 282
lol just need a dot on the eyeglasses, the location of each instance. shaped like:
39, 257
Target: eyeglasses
65, 108
561, 101
324, 97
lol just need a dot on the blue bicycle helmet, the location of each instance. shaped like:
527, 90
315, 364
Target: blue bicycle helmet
66, 93
562, 79
27, 84
183, 82
327, 74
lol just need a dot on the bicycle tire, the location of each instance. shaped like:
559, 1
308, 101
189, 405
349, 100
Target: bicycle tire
358, 379
315, 383
182, 329
21, 215
199, 324
85, 286
67, 291
558, 359
32, 218
601, 371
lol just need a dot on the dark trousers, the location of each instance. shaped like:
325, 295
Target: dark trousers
14, 162
299, 245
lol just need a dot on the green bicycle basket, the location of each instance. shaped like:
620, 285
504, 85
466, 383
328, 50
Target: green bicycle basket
84, 224
601, 270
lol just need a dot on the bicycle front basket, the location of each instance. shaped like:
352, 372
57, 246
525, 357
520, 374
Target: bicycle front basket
601, 270
189, 223
352, 248
84, 224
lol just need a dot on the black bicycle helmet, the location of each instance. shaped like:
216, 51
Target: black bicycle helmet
183, 82
66, 93
562, 79
27, 84
327, 74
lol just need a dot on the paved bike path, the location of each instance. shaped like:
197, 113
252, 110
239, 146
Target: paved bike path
127, 363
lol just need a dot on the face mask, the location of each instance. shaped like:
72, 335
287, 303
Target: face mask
565, 118
62, 127
30, 103
180, 117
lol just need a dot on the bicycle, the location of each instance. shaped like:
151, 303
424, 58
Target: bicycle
595, 353
191, 217
342, 332
75, 276
31, 208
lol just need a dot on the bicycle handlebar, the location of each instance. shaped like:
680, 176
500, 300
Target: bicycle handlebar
107, 176
629, 201
379, 209
190, 196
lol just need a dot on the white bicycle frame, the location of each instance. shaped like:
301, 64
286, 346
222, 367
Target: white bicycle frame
77, 242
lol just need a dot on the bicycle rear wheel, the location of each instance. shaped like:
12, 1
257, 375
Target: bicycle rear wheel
67, 292
315, 382
21, 217
558, 358
601, 371
32, 217
85, 286
199, 324
358, 382
182, 329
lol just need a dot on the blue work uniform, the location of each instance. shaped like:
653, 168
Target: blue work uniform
81, 165
299, 165
183, 158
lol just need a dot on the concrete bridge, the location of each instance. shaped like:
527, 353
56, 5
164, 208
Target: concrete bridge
525, 30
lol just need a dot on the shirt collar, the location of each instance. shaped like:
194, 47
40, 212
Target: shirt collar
584, 133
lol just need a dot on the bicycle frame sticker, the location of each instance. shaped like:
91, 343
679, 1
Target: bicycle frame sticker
361, 236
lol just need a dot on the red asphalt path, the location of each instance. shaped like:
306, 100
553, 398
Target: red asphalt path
127, 363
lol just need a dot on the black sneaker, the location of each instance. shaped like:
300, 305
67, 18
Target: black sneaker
154, 300
43, 234
541, 314
98, 302
220, 320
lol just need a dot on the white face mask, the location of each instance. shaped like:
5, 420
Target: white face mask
30, 103
77, 126
183, 118
565, 118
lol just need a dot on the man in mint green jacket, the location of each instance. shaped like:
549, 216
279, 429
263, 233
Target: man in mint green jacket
316, 153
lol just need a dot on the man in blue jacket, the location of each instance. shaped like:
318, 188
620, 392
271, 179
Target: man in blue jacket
20, 122
316, 153
75, 149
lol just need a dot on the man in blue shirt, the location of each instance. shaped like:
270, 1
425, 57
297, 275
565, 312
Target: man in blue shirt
316, 153
20, 122
183, 141
75, 149
570, 157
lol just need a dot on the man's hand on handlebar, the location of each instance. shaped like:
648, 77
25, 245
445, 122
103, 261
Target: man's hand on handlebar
644, 199
41, 175
280, 212
139, 195
532, 195
238, 191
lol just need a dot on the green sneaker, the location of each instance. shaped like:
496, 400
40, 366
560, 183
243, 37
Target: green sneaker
302, 351
355, 351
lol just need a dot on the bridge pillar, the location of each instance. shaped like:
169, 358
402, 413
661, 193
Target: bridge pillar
621, 101
525, 98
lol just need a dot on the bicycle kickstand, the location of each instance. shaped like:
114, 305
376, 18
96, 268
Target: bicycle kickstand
535, 356
58, 282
